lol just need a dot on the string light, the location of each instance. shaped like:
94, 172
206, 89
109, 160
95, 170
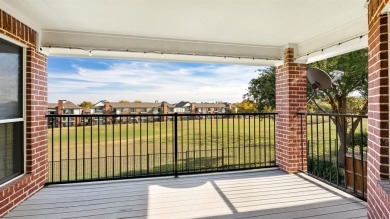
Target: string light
162, 54
337, 44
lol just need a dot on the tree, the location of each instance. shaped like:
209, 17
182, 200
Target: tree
246, 106
124, 101
85, 104
261, 90
337, 100
137, 101
355, 81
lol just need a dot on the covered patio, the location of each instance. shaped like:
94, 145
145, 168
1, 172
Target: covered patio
288, 34
246, 194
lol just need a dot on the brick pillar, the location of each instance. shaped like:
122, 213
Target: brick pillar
35, 176
290, 99
378, 112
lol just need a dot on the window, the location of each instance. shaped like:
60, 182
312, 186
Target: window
11, 111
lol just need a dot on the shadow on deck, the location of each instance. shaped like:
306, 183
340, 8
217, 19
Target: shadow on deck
249, 194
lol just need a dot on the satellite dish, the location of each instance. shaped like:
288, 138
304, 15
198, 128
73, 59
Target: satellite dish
318, 79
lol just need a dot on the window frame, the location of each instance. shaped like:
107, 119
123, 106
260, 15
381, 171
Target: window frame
24, 107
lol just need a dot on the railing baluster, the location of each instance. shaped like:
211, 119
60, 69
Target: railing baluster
361, 158
120, 146
106, 143
193, 142
98, 157
147, 144
254, 141
323, 147
244, 124
154, 144
113, 147
301, 117
265, 144
353, 156
223, 145
311, 143
140, 145
134, 153
337, 150
228, 140
188, 144
52, 147
175, 135
182, 147
83, 151
91, 155
330, 150
239, 144
127, 146
318, 146
60, 149
269, 139
234, 147
345, 151
68, 139
216, 130
75, 128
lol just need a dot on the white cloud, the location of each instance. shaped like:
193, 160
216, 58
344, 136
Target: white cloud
150, 81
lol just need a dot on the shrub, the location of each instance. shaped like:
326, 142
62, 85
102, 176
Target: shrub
360, 139
324, 169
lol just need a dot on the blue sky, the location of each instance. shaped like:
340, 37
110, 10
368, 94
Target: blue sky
93, 79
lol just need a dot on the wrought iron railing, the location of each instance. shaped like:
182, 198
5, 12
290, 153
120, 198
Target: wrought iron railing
100, 147
336, 150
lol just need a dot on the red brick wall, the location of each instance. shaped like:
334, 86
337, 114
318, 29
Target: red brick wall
290, 98
13, 193
378, 111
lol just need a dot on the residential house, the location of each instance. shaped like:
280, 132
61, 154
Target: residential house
231, 107
64, 107
210, 108
135, 109
182, 107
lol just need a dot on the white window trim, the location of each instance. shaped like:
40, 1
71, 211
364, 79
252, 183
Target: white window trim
24, 103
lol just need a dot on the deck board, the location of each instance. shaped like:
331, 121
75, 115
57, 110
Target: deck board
249, 194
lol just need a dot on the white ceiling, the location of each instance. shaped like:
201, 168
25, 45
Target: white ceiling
240, 28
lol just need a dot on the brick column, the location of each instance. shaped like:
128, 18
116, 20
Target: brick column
14, 192
378, 112
290, 99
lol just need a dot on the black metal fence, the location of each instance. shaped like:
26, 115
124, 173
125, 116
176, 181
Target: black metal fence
100, 147
336, 150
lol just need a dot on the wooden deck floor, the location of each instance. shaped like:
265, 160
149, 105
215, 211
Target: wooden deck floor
253, 194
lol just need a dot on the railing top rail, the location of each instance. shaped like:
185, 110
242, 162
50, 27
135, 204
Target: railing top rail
158, 115
332, 114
